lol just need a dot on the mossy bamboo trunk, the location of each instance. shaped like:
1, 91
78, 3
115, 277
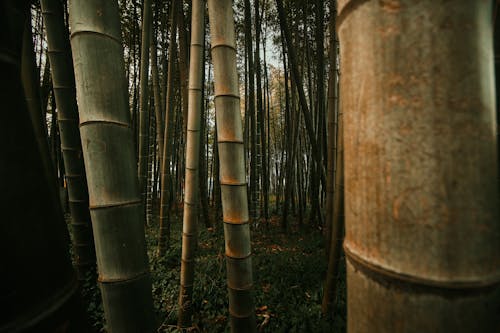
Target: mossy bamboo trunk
232, 167
422, 231
109, 154
191, 196
63, 80
39, 290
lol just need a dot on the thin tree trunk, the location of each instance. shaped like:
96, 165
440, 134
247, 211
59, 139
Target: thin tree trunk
421, 199
300, 90
251, 112
191, 197
143, 101
46, 87
183, 67
261, 113
151, 161
108, 148
288, 145
337, 228
166, 179
59, 51
332, 133
157, 96
204, 147
232, 167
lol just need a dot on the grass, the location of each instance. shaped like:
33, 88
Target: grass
289, 271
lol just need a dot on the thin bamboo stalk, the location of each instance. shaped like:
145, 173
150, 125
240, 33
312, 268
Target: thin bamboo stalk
232, 167
166, 178
143, 101
191, 197
59, 51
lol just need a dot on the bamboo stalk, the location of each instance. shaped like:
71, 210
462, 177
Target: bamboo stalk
109, 155
422, 232
191, 197
232, 167
39, 285
143, 102
63, 79
166, 178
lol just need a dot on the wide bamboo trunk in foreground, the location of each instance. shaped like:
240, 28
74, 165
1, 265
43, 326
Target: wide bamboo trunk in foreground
61, 65
39, 289
191, 197
232, 167
109, 154
422, 231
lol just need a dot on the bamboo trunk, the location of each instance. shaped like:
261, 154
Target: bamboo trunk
332, 133
143, 102
109, 155
39, 289
336, 231
63, 79
300, 89
232, 167
421, 166
166, 178
251, 111
157, 95
261, 115
191, 197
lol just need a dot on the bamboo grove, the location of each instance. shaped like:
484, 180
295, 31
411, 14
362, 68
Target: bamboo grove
369, 123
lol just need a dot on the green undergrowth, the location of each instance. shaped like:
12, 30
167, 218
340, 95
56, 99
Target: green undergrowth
289, 271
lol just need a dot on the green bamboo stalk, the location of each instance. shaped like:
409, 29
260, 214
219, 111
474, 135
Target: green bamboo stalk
61, 64
143, 101
191, 196
109, 155
39, 286
232, 167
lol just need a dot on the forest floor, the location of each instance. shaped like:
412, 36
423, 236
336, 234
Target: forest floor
289, 272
